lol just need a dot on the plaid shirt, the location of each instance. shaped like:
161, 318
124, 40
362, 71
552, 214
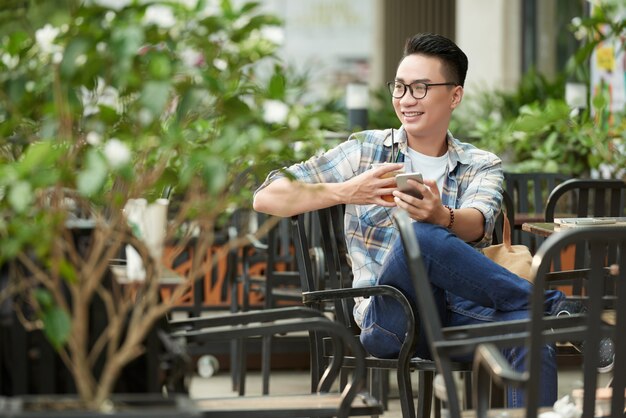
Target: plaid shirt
473, 180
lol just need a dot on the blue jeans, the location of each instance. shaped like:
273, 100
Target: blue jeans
468, 288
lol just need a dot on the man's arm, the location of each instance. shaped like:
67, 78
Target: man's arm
285, 197
468, 223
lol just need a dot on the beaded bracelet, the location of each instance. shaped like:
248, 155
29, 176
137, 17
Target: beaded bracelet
451, 216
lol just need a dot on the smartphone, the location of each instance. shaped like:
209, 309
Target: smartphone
405, 187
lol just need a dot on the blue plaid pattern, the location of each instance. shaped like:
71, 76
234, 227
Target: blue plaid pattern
473, 180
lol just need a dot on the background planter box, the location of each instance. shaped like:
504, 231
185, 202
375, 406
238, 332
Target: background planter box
122, 406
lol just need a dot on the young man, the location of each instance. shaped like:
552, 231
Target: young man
461, 196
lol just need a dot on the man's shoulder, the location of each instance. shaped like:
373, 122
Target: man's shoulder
372, 136
469, 152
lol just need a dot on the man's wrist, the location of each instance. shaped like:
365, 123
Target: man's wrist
449, 220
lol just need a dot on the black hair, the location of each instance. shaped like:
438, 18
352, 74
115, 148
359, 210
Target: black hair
433, 45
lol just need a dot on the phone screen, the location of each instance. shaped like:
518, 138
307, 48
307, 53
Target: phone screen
404, 185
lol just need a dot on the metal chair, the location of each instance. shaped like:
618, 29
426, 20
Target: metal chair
336, 290
529, 193
591, 328
452, 341
322, 401
267, 270
585, 198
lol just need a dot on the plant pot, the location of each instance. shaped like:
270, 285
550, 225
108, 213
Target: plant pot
120, 406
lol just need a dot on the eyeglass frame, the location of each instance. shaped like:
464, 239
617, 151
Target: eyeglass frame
391, 84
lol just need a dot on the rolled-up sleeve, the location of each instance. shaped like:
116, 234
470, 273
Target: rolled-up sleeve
484, 193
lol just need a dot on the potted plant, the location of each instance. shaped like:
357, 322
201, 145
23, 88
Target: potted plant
104, 102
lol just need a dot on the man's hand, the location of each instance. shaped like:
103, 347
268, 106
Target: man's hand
368, 188
428, 208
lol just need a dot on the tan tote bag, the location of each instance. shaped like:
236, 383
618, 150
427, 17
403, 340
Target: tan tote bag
515, 258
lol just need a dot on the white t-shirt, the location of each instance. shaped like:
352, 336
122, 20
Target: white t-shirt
433, 168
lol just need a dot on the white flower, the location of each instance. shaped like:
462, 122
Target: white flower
145, 117
218, 37
45, 39
116, 153
161, 16
57, 57
573, 114
191, 57
275, 111
93, 138
220, 64
241, 22
102, 95
10, 61
293, 122
189, 4
113, 4
211, 8
273, 34
80, 60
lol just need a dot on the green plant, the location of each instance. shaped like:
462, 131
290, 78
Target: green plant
533, 129
117, 100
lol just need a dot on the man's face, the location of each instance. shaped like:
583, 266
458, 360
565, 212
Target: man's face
426, 118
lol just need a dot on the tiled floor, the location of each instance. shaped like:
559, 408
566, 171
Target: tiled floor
219, 385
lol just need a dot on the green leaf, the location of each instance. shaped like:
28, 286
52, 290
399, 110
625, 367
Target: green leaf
38, 154
75, 49
155, 96
44, 298
160, 67
91, 179
21, 196
17, 41
57, 326
276, 88
68, 272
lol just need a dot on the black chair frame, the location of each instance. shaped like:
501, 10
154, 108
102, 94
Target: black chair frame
321, 402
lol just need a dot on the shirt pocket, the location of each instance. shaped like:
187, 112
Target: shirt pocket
376, 216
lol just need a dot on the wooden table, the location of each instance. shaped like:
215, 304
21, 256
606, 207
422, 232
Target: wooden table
542, 229
545, 229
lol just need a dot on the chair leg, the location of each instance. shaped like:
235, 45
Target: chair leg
406, 393
385, 388
243, 366
377, 386
498, 400
467, 390
425, 393
266, 351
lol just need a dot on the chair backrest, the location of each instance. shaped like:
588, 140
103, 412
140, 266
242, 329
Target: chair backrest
426, 306
534, 332
332, 291
593, 327
583, 198
530, 191
586, 197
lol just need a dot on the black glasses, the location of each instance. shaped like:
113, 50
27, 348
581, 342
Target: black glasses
418, 90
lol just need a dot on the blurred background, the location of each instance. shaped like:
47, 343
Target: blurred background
545, 89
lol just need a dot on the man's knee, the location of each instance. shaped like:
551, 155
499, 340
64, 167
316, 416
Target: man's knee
380, 342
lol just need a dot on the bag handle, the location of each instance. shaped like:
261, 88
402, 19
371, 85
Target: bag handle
506, 232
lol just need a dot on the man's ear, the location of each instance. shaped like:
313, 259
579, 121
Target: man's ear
457, 96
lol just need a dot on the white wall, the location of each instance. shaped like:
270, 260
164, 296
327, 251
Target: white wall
489, 31
331, 39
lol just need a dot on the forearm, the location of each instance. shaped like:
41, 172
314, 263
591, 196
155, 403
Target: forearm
285, 197
468, 225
